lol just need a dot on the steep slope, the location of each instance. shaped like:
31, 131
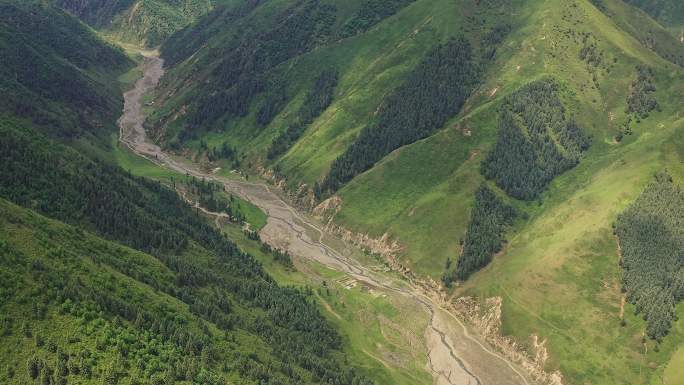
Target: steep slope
366, 63
112, 278
147, 22
669, 12
619, 84
225, 290
668, 45
56, 72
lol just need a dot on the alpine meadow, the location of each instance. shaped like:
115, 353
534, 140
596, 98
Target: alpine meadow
328, 192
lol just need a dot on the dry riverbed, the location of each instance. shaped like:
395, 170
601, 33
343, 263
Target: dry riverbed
452, 356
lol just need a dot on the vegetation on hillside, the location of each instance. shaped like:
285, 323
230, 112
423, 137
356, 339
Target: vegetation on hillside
240, 76
317, 100
651, 236
238, 52
647, 31
641, 100
668, 12
151, 218
434, 92
370, 13
149, 22
54, 71
536, 141
485, 235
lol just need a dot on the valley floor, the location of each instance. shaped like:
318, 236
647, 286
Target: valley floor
452, 355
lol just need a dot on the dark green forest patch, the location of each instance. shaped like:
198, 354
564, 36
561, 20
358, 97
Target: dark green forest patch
485, 235
536, 141
432, 93
651, 236
54, 71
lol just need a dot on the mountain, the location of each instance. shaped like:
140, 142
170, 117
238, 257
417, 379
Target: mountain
56, 72
147, 22
519, 161
443, 112
669, 12
112, 278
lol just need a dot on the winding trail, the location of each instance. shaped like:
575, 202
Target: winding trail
454, 357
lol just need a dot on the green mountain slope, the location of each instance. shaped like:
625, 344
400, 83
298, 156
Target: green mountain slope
112, 278
611, 121
56, 72
508, 147
669, 12
242, 316
147, 22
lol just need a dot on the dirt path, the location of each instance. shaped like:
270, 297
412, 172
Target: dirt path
454, 357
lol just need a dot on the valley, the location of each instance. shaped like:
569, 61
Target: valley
454, 355
326, 192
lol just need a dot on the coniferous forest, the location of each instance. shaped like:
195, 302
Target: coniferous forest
536, 141
485, 235
151, 218
651, 237
434, 92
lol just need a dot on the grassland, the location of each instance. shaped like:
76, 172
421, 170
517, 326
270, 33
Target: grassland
558, 276
382, 334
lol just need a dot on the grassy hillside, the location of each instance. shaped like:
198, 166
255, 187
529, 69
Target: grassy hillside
669, 12
359, 59
513, 185
147, 22
558, 272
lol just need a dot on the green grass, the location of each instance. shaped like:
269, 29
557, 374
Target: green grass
382, 334
558, 275
674, 373
552, 274
128, 79
140, 166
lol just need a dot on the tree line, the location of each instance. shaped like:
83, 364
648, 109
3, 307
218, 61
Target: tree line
433, 92
485, 235
317, 100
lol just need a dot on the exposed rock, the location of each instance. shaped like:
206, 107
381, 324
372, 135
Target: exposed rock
326, 210
486, 319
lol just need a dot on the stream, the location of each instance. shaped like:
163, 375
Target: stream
453, 356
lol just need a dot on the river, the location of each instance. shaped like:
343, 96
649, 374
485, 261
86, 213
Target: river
453, 356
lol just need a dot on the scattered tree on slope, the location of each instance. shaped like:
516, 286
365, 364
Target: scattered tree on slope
641, 100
